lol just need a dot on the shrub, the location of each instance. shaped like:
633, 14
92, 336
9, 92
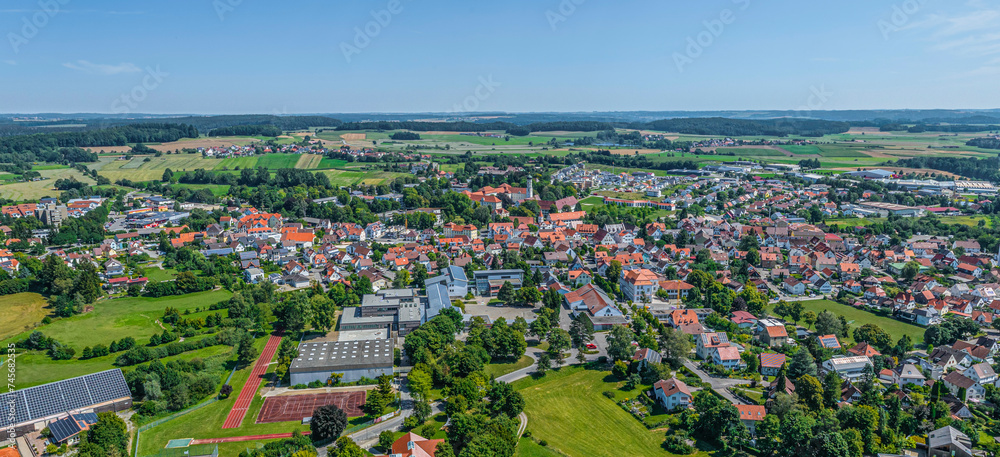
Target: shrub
676, 445
609, 394
543, 443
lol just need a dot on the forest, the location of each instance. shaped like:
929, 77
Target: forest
987, 169
246, 130
985, 143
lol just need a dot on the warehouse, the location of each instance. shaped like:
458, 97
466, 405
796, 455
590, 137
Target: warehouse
353, 359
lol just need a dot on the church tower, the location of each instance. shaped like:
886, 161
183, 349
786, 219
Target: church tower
531, 190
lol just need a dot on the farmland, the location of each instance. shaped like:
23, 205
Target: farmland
34, 190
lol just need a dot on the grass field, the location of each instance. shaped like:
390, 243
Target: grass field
159, 274
34, 190
566, 405
528, 448
500, 369
217, 189
858, 317
750, 152
116, 319
20, 312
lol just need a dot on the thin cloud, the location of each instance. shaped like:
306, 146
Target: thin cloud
10, 62
102, 69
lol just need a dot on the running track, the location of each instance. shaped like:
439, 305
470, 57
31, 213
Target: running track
233, 439
235, 418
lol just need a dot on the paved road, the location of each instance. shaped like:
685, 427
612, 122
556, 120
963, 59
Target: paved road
720, 385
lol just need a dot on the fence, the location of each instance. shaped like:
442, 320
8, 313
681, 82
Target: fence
171, 417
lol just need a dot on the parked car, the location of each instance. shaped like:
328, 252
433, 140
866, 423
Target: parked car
591, 346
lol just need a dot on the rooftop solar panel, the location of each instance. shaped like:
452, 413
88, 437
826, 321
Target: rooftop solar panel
64, 396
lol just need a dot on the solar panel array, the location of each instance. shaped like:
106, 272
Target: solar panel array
829, 341
63, 396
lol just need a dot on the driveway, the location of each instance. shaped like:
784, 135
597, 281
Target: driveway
720, 385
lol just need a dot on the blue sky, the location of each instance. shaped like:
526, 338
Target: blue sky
304, 56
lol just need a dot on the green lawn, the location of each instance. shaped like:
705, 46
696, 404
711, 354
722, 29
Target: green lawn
159, 274
116, 319
216, 189
566, 408
750, 152
231, 163
500, 369
528, 448
20, 312
860, 317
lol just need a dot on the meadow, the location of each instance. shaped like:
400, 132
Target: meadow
34, 190
566, 405
858, 317
20, 313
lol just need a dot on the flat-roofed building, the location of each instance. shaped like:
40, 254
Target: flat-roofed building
489, 282
353, 359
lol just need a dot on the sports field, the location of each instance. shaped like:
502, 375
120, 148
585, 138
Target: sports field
294, 407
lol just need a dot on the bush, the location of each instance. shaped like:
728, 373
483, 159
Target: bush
676, 445
543, 443
609, 394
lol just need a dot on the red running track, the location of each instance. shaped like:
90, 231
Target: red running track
235, 418
233, 439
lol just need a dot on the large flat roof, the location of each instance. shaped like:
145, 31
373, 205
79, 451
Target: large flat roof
343, 355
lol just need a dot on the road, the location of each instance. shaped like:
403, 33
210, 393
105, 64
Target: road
720, 385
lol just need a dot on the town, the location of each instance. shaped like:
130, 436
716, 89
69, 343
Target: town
740, 296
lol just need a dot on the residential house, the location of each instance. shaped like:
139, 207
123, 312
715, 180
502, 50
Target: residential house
672, 394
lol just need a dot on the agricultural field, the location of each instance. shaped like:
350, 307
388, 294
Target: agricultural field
34, 190
138, 169
350, 178
309, 161
970, 221
20, 312
278, 161
564, 405
859, 317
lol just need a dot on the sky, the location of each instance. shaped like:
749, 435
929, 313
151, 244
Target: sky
305, 56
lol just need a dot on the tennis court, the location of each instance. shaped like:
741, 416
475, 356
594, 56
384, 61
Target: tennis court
288, 408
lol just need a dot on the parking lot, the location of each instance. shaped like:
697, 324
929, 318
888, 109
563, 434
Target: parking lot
509, 313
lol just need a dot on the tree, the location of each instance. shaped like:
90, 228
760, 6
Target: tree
620, 343
245, 352
226, 390
810, 392
420, 383
795, 310
910, 270
402, 280
614, 272
540, 327
507, 295
328, 422
827, 323
675, 346
88, 283
559, 341
802, 364
385, 441
581, 330
544, 362
873, 335
107, 437
345, 447
809, 318
831, 389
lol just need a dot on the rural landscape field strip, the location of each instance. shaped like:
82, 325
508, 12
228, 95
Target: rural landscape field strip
235, 418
